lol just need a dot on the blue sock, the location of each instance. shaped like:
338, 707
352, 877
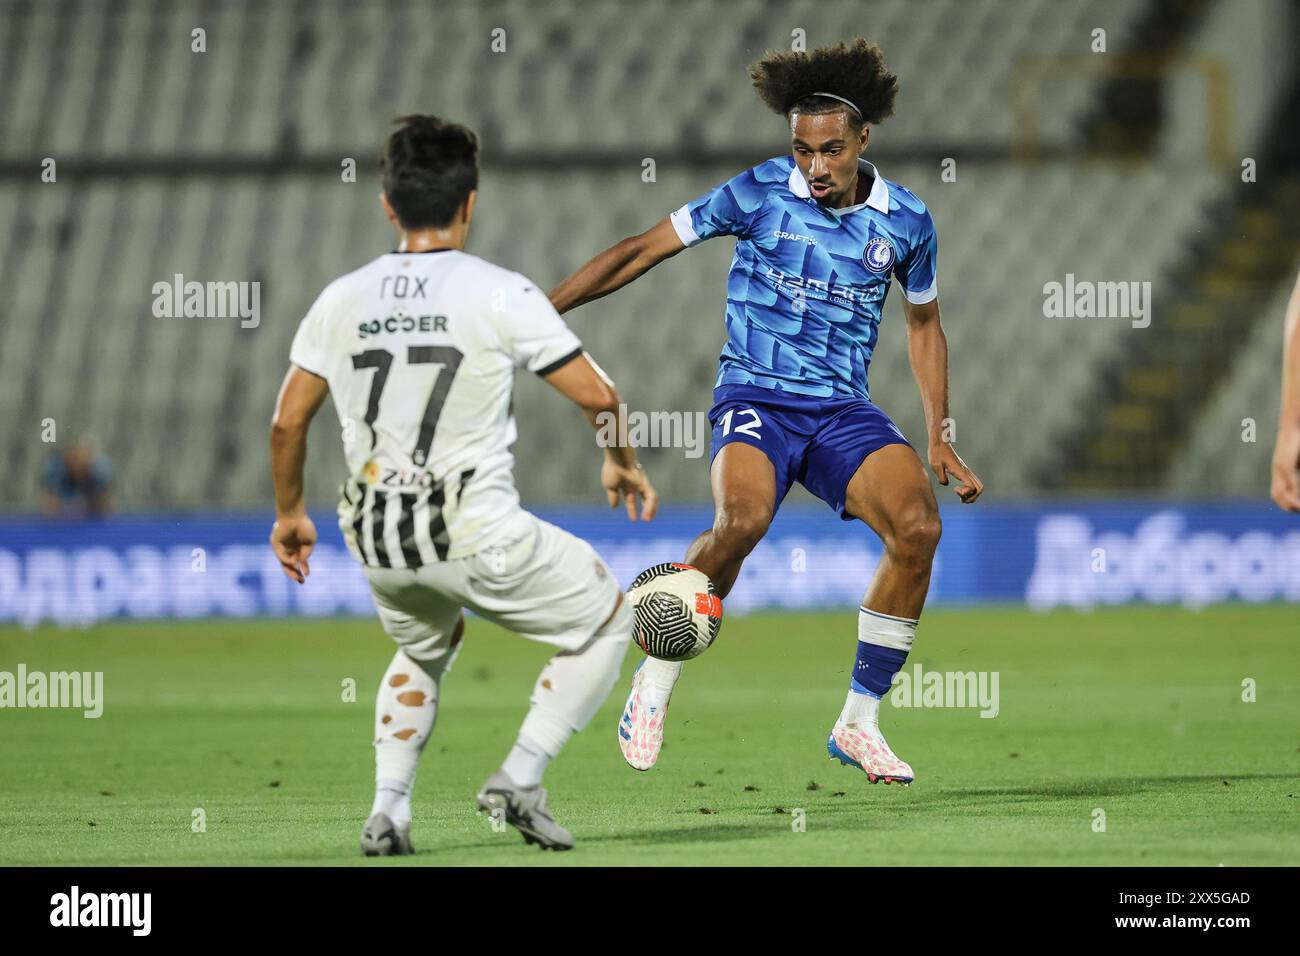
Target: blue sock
883, 645
875, 669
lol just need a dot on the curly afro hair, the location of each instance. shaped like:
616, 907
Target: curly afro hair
856, 71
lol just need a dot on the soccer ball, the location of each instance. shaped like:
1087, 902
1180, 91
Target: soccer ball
678, 614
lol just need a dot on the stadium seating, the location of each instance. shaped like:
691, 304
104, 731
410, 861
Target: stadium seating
1226, 456
314, 78
225, 165
208, 383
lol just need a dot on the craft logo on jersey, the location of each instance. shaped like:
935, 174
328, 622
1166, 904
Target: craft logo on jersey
879, 254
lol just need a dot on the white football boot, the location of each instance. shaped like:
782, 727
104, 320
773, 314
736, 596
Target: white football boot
641, 728
864, 746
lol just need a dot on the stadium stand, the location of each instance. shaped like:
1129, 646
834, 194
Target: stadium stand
1231, 447
182, 405
290, 82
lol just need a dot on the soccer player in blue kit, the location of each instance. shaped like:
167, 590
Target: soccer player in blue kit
820, 235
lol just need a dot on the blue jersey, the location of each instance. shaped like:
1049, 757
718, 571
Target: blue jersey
807, 283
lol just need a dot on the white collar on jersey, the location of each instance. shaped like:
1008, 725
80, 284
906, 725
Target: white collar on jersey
878, 198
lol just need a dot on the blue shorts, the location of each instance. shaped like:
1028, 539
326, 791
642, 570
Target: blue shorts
818, 442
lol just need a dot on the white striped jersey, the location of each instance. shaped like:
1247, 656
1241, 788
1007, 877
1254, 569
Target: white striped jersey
420, 352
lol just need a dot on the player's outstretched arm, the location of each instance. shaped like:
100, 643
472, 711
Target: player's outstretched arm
1286, 453
293, 535
927, 349
617, 266
585, 383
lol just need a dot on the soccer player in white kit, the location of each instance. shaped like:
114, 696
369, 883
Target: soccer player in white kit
419, 349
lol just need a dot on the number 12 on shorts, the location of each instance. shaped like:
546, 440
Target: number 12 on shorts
748, 427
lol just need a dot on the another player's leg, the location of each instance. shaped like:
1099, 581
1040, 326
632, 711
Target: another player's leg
890, 492
744, 499
406, 707
551, 586
568, 692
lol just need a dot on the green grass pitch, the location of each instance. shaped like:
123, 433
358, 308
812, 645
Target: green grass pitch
1137, 713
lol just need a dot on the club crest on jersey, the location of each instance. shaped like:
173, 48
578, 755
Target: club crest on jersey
879, 254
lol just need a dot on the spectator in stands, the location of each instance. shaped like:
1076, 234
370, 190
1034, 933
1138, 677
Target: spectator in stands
76, 481
1286, 453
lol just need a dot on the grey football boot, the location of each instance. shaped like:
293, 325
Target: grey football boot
524, 808
381, 837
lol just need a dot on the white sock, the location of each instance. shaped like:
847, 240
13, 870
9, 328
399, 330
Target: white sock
571, 688
393, 797
659, 679
861, 710
526, 762
405, 711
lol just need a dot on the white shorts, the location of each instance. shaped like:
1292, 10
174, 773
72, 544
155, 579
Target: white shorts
542, 583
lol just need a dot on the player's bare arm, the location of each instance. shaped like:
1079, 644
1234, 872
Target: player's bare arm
617, 266
927, 349
293, 535
1286, 453
585, 383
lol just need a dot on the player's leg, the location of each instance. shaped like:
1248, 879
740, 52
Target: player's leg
428, 626
744, 483
862, 466
890, 492
744, 501
570, 689
550, 586
568, 692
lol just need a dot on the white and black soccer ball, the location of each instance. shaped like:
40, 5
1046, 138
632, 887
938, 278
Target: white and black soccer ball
678, 614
